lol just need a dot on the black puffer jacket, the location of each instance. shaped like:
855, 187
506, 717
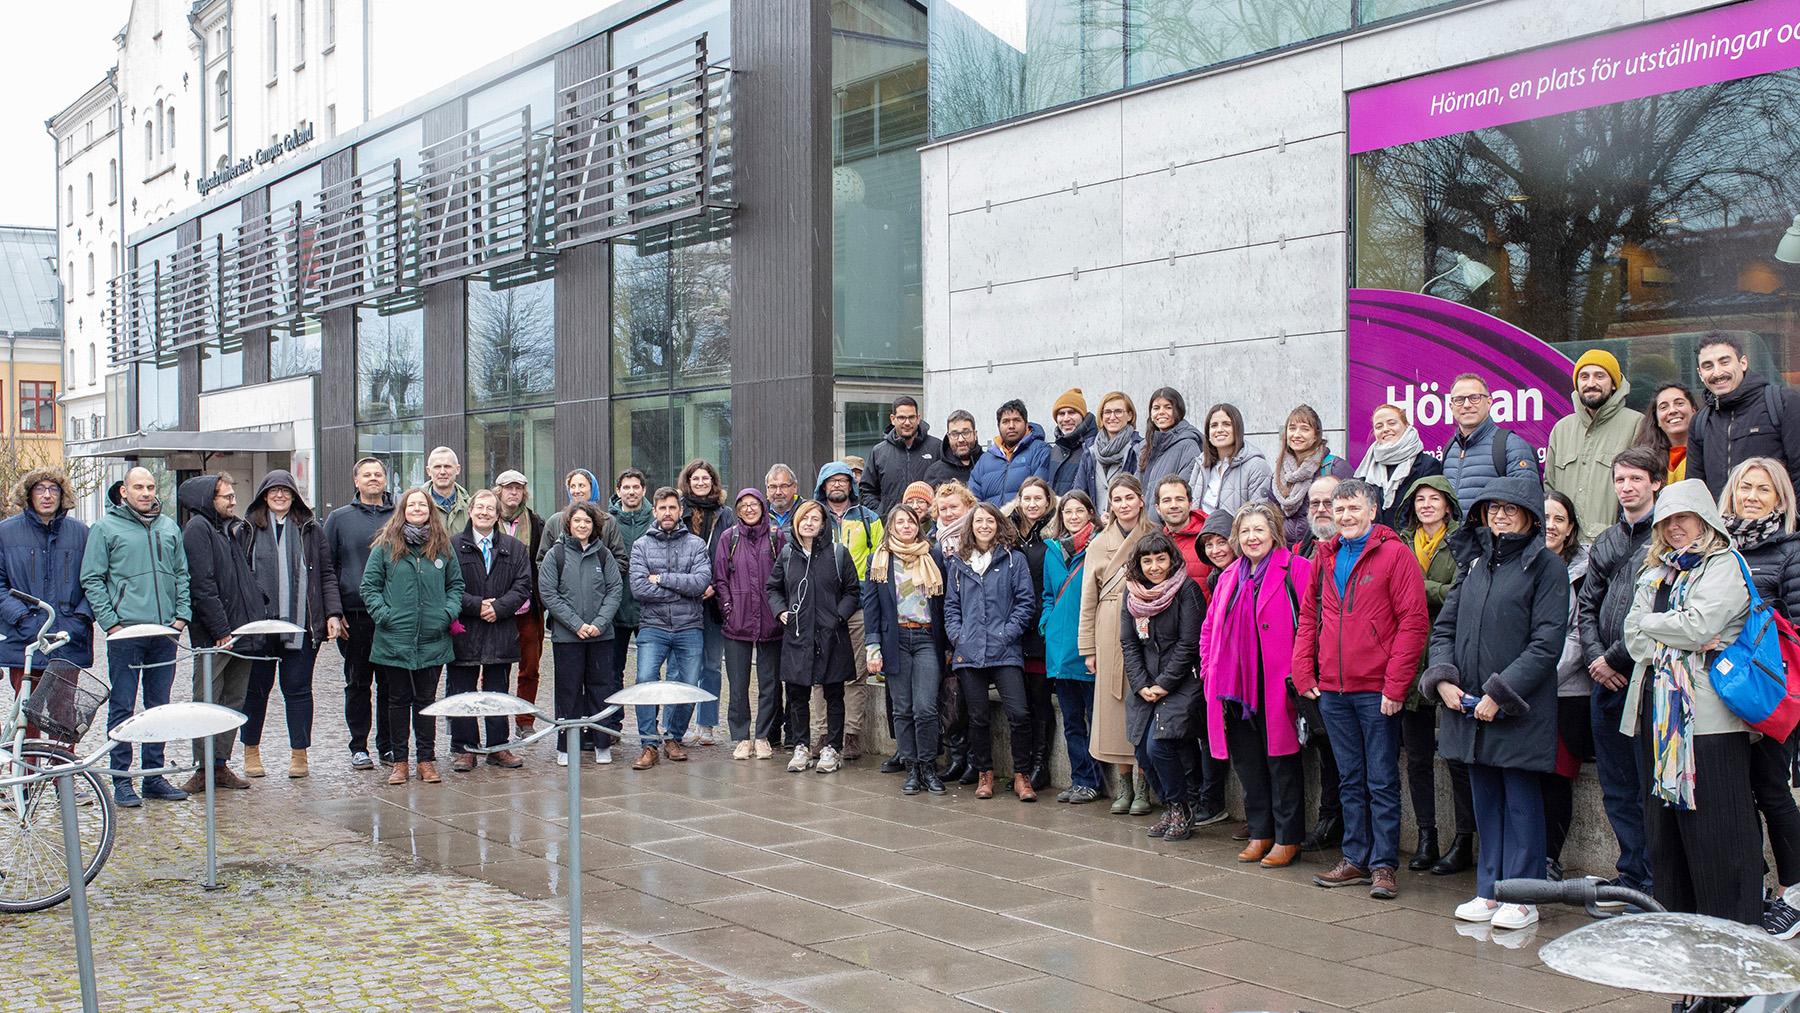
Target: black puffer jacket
1500, 633
1775, 569
1031, 546
1067, 453
1614, 562
222, 588
895, 464
1166, 658
508, 583
1730, 430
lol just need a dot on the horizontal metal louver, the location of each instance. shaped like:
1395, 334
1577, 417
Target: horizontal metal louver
265, 269
356, 240
481, 198
130, 314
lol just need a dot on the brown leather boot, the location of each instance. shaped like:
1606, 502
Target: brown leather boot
505, 758
646, 759
253, 761
1281, 856
852, 748
297, 765
400, 773
428, 772
1022, 788
984, 784
1256, 849
677, 752
462, 763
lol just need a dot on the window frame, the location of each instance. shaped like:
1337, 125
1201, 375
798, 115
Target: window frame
39, 402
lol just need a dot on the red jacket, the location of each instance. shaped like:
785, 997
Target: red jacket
1371, 639
1187, 541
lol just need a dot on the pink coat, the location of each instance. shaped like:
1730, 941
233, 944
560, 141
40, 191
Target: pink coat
1275, 618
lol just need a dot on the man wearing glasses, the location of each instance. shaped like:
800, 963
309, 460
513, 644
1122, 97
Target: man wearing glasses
1480, 451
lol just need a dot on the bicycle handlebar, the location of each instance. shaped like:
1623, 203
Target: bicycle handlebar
1576, 892
22, 596
45, 641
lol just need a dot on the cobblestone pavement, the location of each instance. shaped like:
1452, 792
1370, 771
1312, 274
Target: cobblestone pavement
722, 885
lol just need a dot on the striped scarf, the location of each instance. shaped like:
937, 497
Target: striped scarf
1672, 699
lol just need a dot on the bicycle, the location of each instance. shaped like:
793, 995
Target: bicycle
1716, 966
33, 871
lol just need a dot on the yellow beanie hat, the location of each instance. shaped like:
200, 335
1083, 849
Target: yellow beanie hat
1602, 358
1071, 398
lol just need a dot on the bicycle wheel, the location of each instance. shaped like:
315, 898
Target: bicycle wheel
34, 872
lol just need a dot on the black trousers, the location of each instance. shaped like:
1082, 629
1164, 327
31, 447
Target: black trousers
738, 656
1770, 764
465, 736
1574, 734
584, 679
410, 691
361, 679
1040, 704
1330, 805
619, 645
1011, 682
1274, 786
1418, 739
294, 669
799, 715
1707, 860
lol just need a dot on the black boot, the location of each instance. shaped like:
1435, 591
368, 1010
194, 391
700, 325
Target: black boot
929, 775
1427, 852
913, 784
894, 765
1327, 833
1181, 827
1040, 771
956, 752
1459, 858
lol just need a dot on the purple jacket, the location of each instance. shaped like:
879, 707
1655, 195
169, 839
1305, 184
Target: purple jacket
742, 560
1275, 617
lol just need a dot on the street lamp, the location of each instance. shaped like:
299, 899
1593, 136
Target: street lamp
1788, 250
1470, 274
661, 693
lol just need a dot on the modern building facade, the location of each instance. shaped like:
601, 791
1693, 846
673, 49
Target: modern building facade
670, 230
1245, 201
202, 92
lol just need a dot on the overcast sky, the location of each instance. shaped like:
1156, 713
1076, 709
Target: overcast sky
49, 55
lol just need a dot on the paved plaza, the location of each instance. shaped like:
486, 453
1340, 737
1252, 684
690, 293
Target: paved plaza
722, 885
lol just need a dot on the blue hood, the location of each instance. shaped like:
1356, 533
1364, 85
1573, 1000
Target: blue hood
593, 486
1034, 433
832, 469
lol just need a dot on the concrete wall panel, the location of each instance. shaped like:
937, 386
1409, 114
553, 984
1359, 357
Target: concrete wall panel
1080, 146
1256, 197
1255, 291
1048, 318
1480, 33
1037, 237
1298, 96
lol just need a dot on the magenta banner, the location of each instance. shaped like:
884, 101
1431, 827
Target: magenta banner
1407, 349
1737, 41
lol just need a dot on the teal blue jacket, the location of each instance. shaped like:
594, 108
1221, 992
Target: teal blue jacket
1060, 617
412, 601
134, 572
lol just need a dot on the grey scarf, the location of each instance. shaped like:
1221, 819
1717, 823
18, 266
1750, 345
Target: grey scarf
1109, 456
1295, 479
280, 567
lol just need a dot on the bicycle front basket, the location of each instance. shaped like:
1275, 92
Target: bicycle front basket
64, 699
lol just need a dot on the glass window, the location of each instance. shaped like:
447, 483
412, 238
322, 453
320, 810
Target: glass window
400, 446
296, 349
675, 23
524, 440
993, 61
1174, 36
512, 340
1672, 235
390, 361
671, 316
159, 395
660, 434
1370, 11
402, 142
535, 88
302, 186
878, 68
865, 425
37, 406
222, 359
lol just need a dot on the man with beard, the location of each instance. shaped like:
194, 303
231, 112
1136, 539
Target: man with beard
520, 521
782, 490
1328, 830
224, 595
1745, 415
1578, 463
1017, 452
1075, 431
962, 447
901, 458
858, 529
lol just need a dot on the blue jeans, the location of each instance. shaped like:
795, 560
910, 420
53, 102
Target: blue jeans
1076, 701
1509, 816
120, 656
1623, 785
1172, 766
1366, 744
912, 682
681, 649
712, 662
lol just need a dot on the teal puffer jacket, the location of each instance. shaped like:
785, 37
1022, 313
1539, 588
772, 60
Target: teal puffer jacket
412, 601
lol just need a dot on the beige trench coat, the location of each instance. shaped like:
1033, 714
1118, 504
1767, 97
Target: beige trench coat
1102, 599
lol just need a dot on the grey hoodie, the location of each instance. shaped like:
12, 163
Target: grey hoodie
1717, 605
1247, 478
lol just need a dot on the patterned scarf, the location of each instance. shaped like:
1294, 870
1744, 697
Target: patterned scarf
1672, 697
1109, 455
1747, 535
1295, 478
1146, 602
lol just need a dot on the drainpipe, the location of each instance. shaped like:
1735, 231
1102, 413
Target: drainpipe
205, 87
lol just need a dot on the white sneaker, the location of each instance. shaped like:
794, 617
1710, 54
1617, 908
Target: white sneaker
764, 751
741, 751
829, 761
706, 736
1478, 910
691, 739
1515, 916
562, 758
802, 759
603, 755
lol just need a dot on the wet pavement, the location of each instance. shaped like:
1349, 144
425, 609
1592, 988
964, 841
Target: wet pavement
733, 885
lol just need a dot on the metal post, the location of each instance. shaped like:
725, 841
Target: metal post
572, 746
212, 842
84, 944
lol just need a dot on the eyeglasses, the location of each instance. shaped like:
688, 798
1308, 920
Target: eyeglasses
43, 487
1112, 413
1498, 509
1464, 400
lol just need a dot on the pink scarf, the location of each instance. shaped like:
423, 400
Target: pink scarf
1145, 602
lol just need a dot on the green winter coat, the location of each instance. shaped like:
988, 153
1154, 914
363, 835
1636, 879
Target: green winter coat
135, 573
1578, 462
1441, 575
412, 601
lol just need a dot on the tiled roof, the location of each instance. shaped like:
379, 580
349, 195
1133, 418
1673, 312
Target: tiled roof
29, 301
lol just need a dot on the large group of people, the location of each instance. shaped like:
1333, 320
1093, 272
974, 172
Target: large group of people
1179, 606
